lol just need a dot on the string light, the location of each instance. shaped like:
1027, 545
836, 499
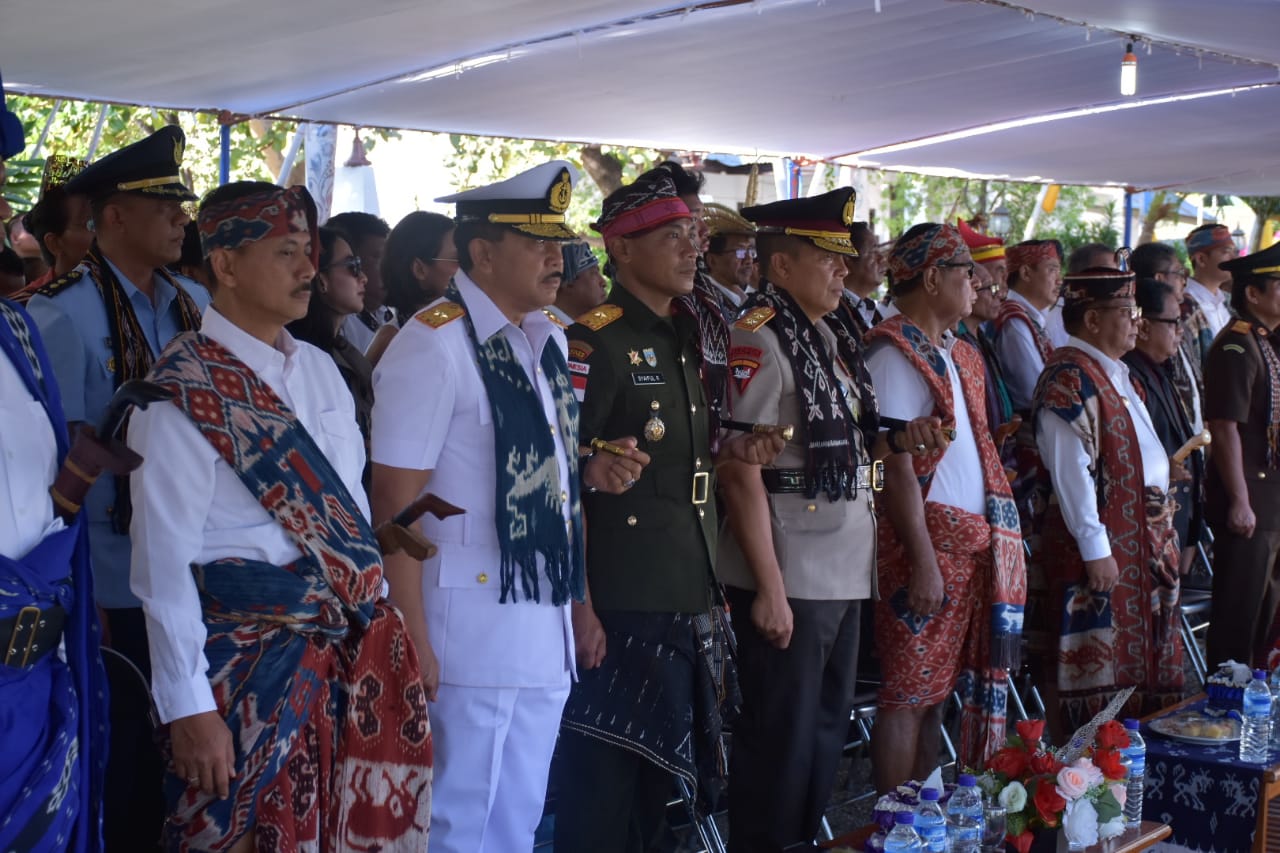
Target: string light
1129, 72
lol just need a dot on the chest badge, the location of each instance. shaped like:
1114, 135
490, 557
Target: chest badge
634, 358
650, 357
654, 428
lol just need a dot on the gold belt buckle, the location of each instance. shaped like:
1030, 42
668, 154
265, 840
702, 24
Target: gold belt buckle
877, 476
34, 613
701, 487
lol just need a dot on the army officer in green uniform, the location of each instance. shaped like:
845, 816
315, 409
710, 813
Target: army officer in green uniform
652, 666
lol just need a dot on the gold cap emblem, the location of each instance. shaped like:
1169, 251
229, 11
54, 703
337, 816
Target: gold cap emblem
847, 213
561, 192
177, 152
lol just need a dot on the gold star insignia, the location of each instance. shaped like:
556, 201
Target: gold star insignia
634, 357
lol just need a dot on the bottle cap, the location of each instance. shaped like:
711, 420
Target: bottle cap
904, 818
929, 794
966, 780
1260, 674
1131, 724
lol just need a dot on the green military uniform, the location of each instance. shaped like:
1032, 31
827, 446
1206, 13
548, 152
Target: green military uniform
652, 548
1239, 384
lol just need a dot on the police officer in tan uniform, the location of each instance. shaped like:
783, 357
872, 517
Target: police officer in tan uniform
1242, 410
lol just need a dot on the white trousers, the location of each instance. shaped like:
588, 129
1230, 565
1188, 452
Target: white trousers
493, 750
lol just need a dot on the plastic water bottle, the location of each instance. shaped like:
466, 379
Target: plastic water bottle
1255, 734
1275, 709
931, 823
1136, 752
965, 817
902, 838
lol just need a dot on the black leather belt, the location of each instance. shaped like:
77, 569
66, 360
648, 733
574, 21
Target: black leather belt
31, 634
789, 481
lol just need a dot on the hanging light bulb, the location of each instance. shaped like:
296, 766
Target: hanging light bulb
1129, 72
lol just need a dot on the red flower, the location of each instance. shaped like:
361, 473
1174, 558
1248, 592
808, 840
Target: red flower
1111, 735
1010, 761
1049, 803
1108, 761
1045, 763
1030, 731
1021, 842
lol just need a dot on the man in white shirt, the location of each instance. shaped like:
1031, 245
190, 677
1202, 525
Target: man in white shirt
730, 257
951, 576
495, 431
253, 481
1022, 342
1208, 246
1109, 548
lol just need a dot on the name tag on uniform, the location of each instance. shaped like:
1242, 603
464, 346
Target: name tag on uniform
648, 379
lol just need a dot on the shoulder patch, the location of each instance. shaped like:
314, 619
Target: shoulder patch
1244, 327
556, 321
755, 318
580, 350
61, 283
1233, 348
601, 316
440, 315
744, 362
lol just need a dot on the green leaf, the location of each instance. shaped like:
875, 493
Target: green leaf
1016, 824
1108, 807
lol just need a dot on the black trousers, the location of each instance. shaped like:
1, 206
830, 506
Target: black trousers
1246, 595
608, 798
795, 721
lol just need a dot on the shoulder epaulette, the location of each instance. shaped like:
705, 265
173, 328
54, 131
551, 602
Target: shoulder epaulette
601, 316
61, 283
1244, 327
554, 319
440, 315
755, 318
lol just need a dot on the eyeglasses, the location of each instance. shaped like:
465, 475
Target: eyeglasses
1172, 321
1177, 272
967, 266
740, 254
985, 288
351, 262
1135, 311
444, 260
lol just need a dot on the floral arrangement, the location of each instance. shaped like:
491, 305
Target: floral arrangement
1084, 794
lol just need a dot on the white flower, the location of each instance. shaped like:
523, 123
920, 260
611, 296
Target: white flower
1080, 822
1111, 828
1013, 797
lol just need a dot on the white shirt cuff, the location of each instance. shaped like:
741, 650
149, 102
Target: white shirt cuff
1094, 546
183, 699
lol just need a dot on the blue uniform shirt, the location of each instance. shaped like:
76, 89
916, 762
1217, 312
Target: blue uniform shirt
74, 326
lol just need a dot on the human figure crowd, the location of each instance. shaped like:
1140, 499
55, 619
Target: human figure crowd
392, 530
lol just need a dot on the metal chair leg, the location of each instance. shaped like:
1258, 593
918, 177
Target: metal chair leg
1189, 642
708, 832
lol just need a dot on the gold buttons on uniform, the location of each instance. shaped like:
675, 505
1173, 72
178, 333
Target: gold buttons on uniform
811, 508
482, 578
682, 359
697, 463
553, 428
564, 497
1262, 475
631, 521
693, 410
702, 513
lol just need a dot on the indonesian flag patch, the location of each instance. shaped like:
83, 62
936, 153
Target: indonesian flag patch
578, 371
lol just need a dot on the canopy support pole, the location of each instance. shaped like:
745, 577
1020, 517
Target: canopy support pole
1128, 218
44, 134
97, 133
290, 155
224, 158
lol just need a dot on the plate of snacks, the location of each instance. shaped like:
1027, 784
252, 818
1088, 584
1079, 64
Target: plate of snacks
1199, 727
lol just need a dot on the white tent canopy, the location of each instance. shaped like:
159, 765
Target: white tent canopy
819, 78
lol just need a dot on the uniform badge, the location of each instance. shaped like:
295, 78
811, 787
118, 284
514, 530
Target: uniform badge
650, 357
648, 379
654, 428
578, 372
633, 356
847, 213
1233, 348
743, 364
755, 318
599, 317
555, 321
560, 193
440, 315
580, 351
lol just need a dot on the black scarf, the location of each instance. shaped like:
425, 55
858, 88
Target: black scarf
703, 304
834, 450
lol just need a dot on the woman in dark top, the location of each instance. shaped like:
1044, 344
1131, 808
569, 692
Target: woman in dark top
1149, 367
417, 264
337, 292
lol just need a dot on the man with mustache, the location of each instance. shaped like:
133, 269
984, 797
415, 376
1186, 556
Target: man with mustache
473, 401
285, 677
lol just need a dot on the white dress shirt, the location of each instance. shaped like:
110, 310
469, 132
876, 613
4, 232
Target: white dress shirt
733, 298
28, 464
1019, 356
1070, 463
1054, 326
357, 332
1215, 304
189, 506
903, 394
431, 412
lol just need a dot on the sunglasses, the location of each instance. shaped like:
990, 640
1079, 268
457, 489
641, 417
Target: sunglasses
1172, 321
351, 262
740, 254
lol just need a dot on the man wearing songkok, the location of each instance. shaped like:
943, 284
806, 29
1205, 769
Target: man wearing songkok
1209, 247
730, 257
52, 740
495, 431
1109, 550
798, 551
1160, 261
863, 273
1081, 258
105, 323
59, 222
655, 676
1149, 365
972, 330
987, 252
287, 681
581, 284
951, 577
1242, 409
